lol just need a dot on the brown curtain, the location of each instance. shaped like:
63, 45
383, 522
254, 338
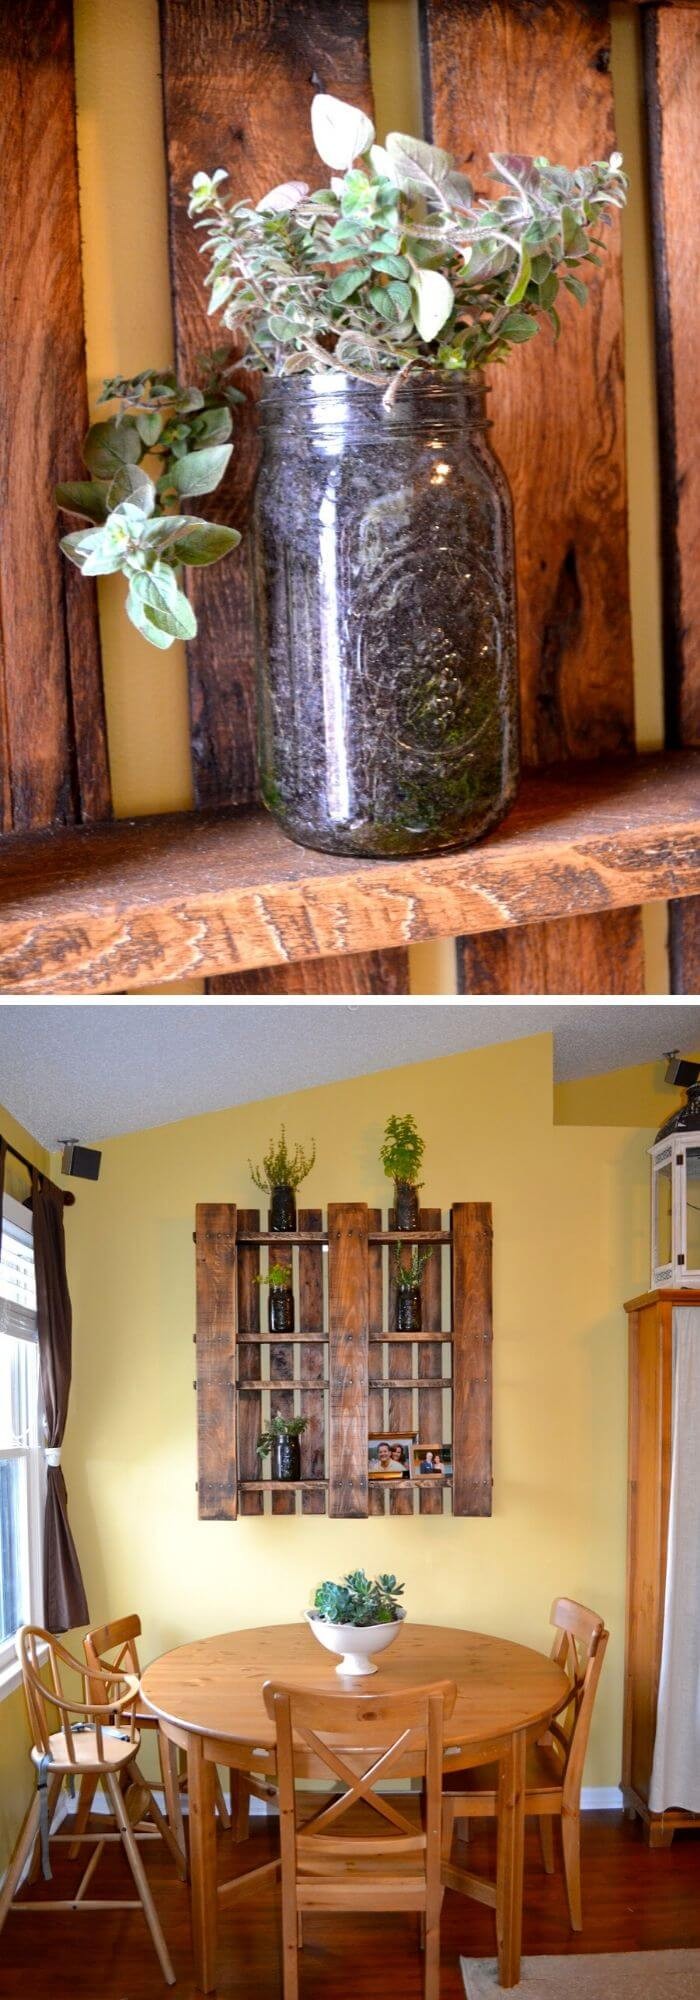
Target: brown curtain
64, 1595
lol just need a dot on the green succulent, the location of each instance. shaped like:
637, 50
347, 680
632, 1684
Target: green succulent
357, 1601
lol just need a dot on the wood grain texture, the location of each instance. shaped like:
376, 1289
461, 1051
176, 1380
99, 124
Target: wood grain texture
238, 79
351, 972
249, 1412
399, 1367
281, 1400
348, 1311
312, 1361
472, 1347
53, 754
430, 1426
557, 411
596, 954
148, 901
671, 44
215, 1236
375, 1404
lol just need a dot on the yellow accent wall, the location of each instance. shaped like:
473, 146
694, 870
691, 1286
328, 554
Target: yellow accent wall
129, 325
622, 1097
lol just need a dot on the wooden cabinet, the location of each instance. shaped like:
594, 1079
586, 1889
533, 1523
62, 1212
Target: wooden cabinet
649, 1481
346, 1367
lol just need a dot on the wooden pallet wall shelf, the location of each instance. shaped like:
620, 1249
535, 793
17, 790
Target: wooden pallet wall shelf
345, 1368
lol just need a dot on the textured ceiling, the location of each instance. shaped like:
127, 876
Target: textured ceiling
92, 1070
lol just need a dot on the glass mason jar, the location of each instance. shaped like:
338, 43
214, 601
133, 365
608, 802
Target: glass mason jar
409, 1311
280, 1309
385, 615
283, 1209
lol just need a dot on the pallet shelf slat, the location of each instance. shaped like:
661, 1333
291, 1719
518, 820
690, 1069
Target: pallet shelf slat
175, 896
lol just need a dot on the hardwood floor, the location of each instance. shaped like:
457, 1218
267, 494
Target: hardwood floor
632, 1900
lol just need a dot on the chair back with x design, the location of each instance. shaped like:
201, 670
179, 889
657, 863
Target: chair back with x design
579, 1647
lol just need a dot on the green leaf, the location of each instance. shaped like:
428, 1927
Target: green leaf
198, 471
82, 496
138, 613
433, 299
573, 285
160, 603
205, 542
341, 133
149, 426
73, 546
517, 327
393, 267
522, 280
416, 166
111, 444
98, 551
213, 426
346, 283
131, 484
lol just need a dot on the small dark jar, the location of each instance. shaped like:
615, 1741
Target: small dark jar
283, 1209
286, 1458
405, 1205
409, 1312
280, 1309
385, 615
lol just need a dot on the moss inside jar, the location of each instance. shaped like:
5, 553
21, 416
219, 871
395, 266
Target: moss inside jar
281, 1442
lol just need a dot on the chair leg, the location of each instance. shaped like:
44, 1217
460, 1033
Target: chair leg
571, 1842
25, 1843
139, 1875
88, 1787
290, 1941
153, 1812
173, 1803
448, 1820
221, 1806
547, 1841
431, 1963
240, 1806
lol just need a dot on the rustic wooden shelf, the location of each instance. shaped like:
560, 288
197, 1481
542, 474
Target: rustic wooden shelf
284, 1236
410, 1236
97, 909
281, 1485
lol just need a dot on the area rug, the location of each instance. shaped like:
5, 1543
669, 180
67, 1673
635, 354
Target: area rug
614, 1975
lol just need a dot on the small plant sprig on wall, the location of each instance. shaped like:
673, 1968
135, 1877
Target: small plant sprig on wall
358, 1601
408, 1276
281, 1438
183, 433
398, 265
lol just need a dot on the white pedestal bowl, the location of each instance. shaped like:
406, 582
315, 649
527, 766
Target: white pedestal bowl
355, 1643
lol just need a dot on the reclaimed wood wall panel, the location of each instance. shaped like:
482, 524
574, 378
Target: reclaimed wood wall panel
249, 1359
595, 954
53, 754
558, 411
351, 972
430, 1428
671, 43
238, 79
348, 1324
281, 1370
399, 1358
215, 1238
375, 1406
472, 1357
312, 1361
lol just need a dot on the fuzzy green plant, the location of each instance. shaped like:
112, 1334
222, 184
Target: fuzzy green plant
409, 1275
402, 1150
183, 435
281, 1167
279, 1427
358, 1601
398, 265
279, 1277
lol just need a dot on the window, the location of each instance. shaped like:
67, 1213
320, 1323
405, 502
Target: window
21, 1435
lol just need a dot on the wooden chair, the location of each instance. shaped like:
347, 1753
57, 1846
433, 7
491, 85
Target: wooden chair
101, 1743
111, 1648
395, 1869
554, 1767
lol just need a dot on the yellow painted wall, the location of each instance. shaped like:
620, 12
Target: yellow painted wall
15, 1769
128, 325
622, 1097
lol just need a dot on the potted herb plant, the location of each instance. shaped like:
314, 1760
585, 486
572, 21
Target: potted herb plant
409, 1308
280, 1303
357, 1617
401, 1153
280, 1175
383, 549
136, 526
281, 1439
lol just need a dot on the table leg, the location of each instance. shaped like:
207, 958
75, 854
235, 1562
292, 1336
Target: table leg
173, 1803
201, 1791
509, 1872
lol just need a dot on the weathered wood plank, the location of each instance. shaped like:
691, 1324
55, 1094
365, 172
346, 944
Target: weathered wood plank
671, 43
147, 901
249, 1359
53, 752
400, 1369
430, 1358
472, 1336
375, 1407
352, 972
281, 1370
312, 1361
348, 1319
596, 954
238, 79
558, 412
215, 1237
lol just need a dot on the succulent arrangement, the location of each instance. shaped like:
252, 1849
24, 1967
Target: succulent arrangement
282, 1167
408, 1276
183, 435
358, 1601
277, 1429
402, 1150
399, 265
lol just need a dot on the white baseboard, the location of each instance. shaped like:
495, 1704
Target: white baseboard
601, 1798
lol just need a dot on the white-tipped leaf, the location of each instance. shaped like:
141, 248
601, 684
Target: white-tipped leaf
282, 199
341, 133
433, 299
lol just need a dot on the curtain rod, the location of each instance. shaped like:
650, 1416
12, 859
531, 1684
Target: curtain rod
69, 1199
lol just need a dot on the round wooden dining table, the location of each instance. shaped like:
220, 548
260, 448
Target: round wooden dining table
208, 1699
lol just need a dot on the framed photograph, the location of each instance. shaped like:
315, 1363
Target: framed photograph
390, 1455
431, 1461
